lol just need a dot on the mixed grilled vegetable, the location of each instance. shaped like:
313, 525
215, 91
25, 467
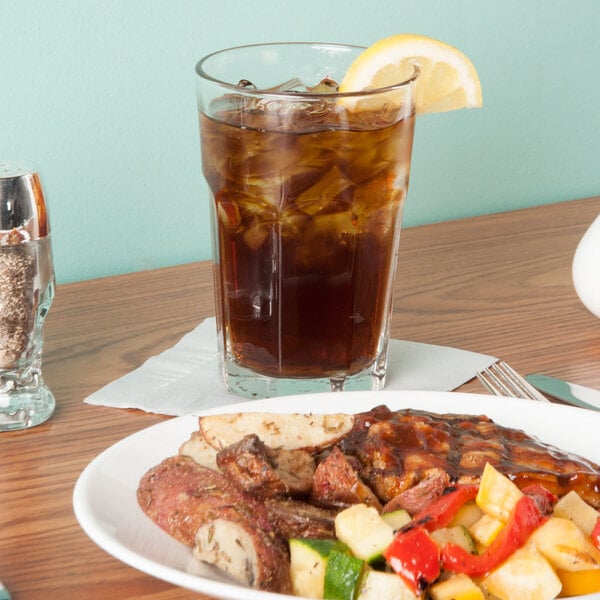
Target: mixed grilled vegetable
472, 543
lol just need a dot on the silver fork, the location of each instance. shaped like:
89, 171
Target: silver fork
502, 380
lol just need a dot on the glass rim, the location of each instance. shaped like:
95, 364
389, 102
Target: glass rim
297, 94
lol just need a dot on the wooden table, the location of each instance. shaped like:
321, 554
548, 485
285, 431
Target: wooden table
497, 284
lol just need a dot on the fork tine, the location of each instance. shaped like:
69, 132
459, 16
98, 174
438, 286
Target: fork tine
502, 380
492, 383
521, 383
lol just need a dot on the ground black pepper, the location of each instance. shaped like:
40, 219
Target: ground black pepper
17, 274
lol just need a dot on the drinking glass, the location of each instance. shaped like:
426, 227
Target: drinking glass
307, 187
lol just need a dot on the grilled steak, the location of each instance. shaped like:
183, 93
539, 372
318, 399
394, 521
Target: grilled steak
397, 450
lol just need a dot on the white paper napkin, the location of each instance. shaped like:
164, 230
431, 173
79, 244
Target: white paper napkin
186, 379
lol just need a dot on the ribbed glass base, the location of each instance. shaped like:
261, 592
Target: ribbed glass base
24, 408
253, 385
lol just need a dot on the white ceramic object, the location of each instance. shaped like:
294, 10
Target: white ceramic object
586, 268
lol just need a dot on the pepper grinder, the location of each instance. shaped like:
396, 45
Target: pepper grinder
26, 293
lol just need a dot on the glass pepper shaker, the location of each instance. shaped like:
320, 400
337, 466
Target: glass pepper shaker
26, 293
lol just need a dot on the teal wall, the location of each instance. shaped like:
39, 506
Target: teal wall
100, 94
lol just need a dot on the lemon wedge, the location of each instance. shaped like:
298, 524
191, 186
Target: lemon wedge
447, 79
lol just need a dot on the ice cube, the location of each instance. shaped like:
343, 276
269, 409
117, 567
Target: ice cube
332, 227
360, 166
375, 192
246, 84
325, 86
325, 193
237, 207
326, 237
379, 205
256, 235
293, 223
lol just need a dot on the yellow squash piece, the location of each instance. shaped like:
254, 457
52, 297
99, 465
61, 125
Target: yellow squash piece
566, 546
484, 532
526, 575
573, 507
578, 583
497, 494
456, 587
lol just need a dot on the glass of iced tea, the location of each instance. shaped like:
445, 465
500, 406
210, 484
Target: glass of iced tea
307, 187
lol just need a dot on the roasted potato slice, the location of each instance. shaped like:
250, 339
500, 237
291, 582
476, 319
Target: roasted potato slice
200, 451
224, 526
290, 431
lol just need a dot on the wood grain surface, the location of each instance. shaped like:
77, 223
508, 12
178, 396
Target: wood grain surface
498, 284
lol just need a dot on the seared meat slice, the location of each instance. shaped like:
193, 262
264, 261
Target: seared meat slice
226, 527
397, 449
337, 484
300, 519
267, 472
416, 498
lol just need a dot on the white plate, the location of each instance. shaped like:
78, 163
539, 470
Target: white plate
105, 501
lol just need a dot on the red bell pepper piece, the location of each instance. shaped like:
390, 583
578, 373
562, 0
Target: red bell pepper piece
596, 534
544, 497
442, 510
524, 519
415, 557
